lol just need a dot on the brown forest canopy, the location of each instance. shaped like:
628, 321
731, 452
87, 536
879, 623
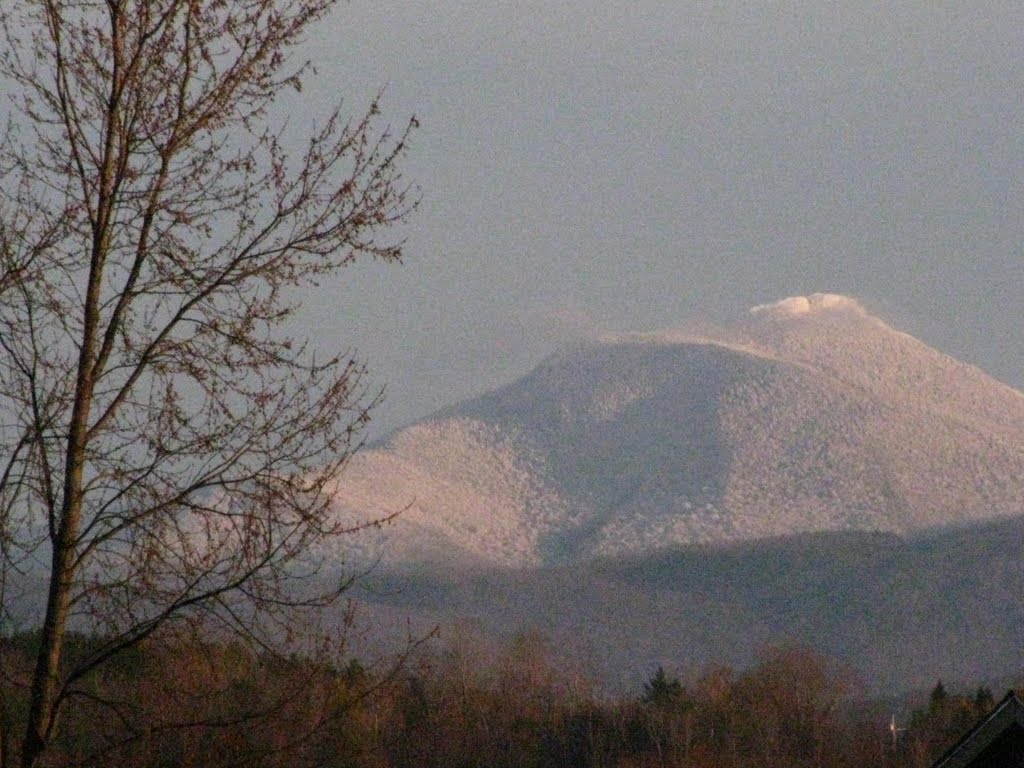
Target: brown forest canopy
471, 703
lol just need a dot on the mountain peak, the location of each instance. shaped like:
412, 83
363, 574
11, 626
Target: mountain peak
815, 304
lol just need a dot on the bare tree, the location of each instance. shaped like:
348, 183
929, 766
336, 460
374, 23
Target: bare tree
165, 446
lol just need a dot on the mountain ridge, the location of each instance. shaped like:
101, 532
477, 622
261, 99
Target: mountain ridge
900, 611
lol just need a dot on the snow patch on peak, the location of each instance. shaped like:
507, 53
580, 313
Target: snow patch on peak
816, 303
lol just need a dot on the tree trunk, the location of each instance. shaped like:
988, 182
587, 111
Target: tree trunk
46, 675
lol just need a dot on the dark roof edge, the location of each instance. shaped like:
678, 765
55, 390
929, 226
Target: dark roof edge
948, 759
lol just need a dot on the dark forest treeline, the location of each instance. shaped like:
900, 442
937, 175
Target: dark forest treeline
467, 704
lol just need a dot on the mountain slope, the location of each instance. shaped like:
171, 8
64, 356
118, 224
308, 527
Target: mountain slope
809, 415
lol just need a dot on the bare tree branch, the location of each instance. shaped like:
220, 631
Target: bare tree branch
175, 444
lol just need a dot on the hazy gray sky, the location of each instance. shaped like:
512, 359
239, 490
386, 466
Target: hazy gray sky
589, 166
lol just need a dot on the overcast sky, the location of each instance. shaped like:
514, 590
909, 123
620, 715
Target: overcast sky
589, 166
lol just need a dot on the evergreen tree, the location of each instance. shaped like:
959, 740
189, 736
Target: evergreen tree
661, 690
938, 698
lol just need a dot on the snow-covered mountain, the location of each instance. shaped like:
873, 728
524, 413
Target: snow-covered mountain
808, 415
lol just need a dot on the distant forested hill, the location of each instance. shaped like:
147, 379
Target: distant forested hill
903, 612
